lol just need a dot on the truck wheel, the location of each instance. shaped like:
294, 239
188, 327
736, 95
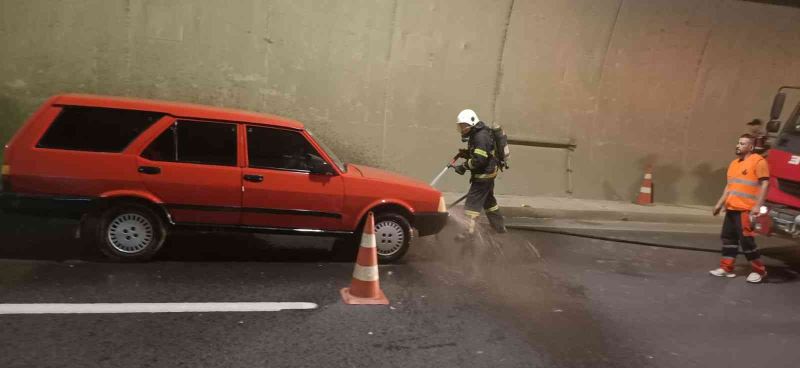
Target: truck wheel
130, 232
392, 236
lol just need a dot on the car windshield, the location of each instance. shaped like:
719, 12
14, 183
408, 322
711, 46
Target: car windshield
330, 153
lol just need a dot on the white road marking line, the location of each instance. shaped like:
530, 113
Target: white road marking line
68, 308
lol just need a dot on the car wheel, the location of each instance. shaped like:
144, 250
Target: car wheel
392, 236
130, 232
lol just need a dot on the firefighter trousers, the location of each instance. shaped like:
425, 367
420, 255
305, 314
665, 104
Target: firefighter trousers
737, 232
481, 197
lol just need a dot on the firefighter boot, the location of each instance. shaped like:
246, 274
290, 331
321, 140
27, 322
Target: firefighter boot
469, 233
497, 221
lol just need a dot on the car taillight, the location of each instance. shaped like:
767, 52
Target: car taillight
6, 172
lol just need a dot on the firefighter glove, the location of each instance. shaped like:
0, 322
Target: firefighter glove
460, 169
463, 153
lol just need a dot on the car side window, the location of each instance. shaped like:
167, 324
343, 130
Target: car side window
196, 142
94, 129
282, 149
163, 148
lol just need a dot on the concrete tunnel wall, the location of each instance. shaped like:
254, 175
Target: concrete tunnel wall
667, 82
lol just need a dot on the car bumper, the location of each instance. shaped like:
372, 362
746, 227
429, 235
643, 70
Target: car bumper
44, 205
430, 223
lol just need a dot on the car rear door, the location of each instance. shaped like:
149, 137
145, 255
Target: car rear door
193, 167
279, 189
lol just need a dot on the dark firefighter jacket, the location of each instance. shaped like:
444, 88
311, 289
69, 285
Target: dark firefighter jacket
481, 163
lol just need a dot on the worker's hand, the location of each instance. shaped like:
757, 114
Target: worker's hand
717, 208
463, 153
460, 169
755, 211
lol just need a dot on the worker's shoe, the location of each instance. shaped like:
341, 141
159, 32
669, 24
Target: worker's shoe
500, 229
719, 272
756, 277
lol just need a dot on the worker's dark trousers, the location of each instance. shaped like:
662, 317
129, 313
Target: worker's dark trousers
481, 196
737, 232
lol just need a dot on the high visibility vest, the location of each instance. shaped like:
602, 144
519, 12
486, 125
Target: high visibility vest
743, 185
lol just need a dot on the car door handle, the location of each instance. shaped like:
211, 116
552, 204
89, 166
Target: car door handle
149, 170
254, 178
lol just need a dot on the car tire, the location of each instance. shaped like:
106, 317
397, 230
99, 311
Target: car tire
130, 233
392, 238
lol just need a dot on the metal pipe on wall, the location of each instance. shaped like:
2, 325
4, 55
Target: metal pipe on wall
567, 144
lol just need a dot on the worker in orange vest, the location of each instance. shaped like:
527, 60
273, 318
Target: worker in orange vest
748, 178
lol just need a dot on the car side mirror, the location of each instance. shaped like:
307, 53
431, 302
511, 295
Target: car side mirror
777, 106
773, 126
316, 165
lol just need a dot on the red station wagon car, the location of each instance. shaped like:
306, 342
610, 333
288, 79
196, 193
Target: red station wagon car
133, 170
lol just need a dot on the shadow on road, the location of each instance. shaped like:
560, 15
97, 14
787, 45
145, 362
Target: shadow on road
790, 256
41, 238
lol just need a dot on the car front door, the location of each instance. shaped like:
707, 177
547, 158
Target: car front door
192, 166
280, 190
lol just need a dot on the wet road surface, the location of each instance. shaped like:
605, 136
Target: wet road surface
523, 299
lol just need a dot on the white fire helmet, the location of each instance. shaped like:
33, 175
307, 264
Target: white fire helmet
468, 117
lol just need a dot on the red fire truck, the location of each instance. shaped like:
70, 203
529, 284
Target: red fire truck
782, 205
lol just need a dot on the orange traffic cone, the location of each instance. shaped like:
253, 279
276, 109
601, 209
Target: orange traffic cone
364, 287
646, 191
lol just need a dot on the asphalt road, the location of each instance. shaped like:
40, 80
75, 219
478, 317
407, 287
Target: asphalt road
523, 299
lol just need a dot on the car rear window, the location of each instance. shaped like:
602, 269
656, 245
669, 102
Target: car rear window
96, 129
195, 142
207, 143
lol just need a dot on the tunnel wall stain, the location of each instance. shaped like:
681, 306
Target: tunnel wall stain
668, 83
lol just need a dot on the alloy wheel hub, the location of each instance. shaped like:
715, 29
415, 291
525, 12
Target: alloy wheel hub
130, 233
389, 237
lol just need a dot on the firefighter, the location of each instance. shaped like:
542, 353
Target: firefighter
480, 160
748, 178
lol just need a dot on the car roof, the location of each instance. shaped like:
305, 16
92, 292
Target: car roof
177, 109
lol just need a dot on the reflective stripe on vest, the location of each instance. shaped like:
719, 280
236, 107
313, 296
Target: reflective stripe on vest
743, 181
486, 176
745, 195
